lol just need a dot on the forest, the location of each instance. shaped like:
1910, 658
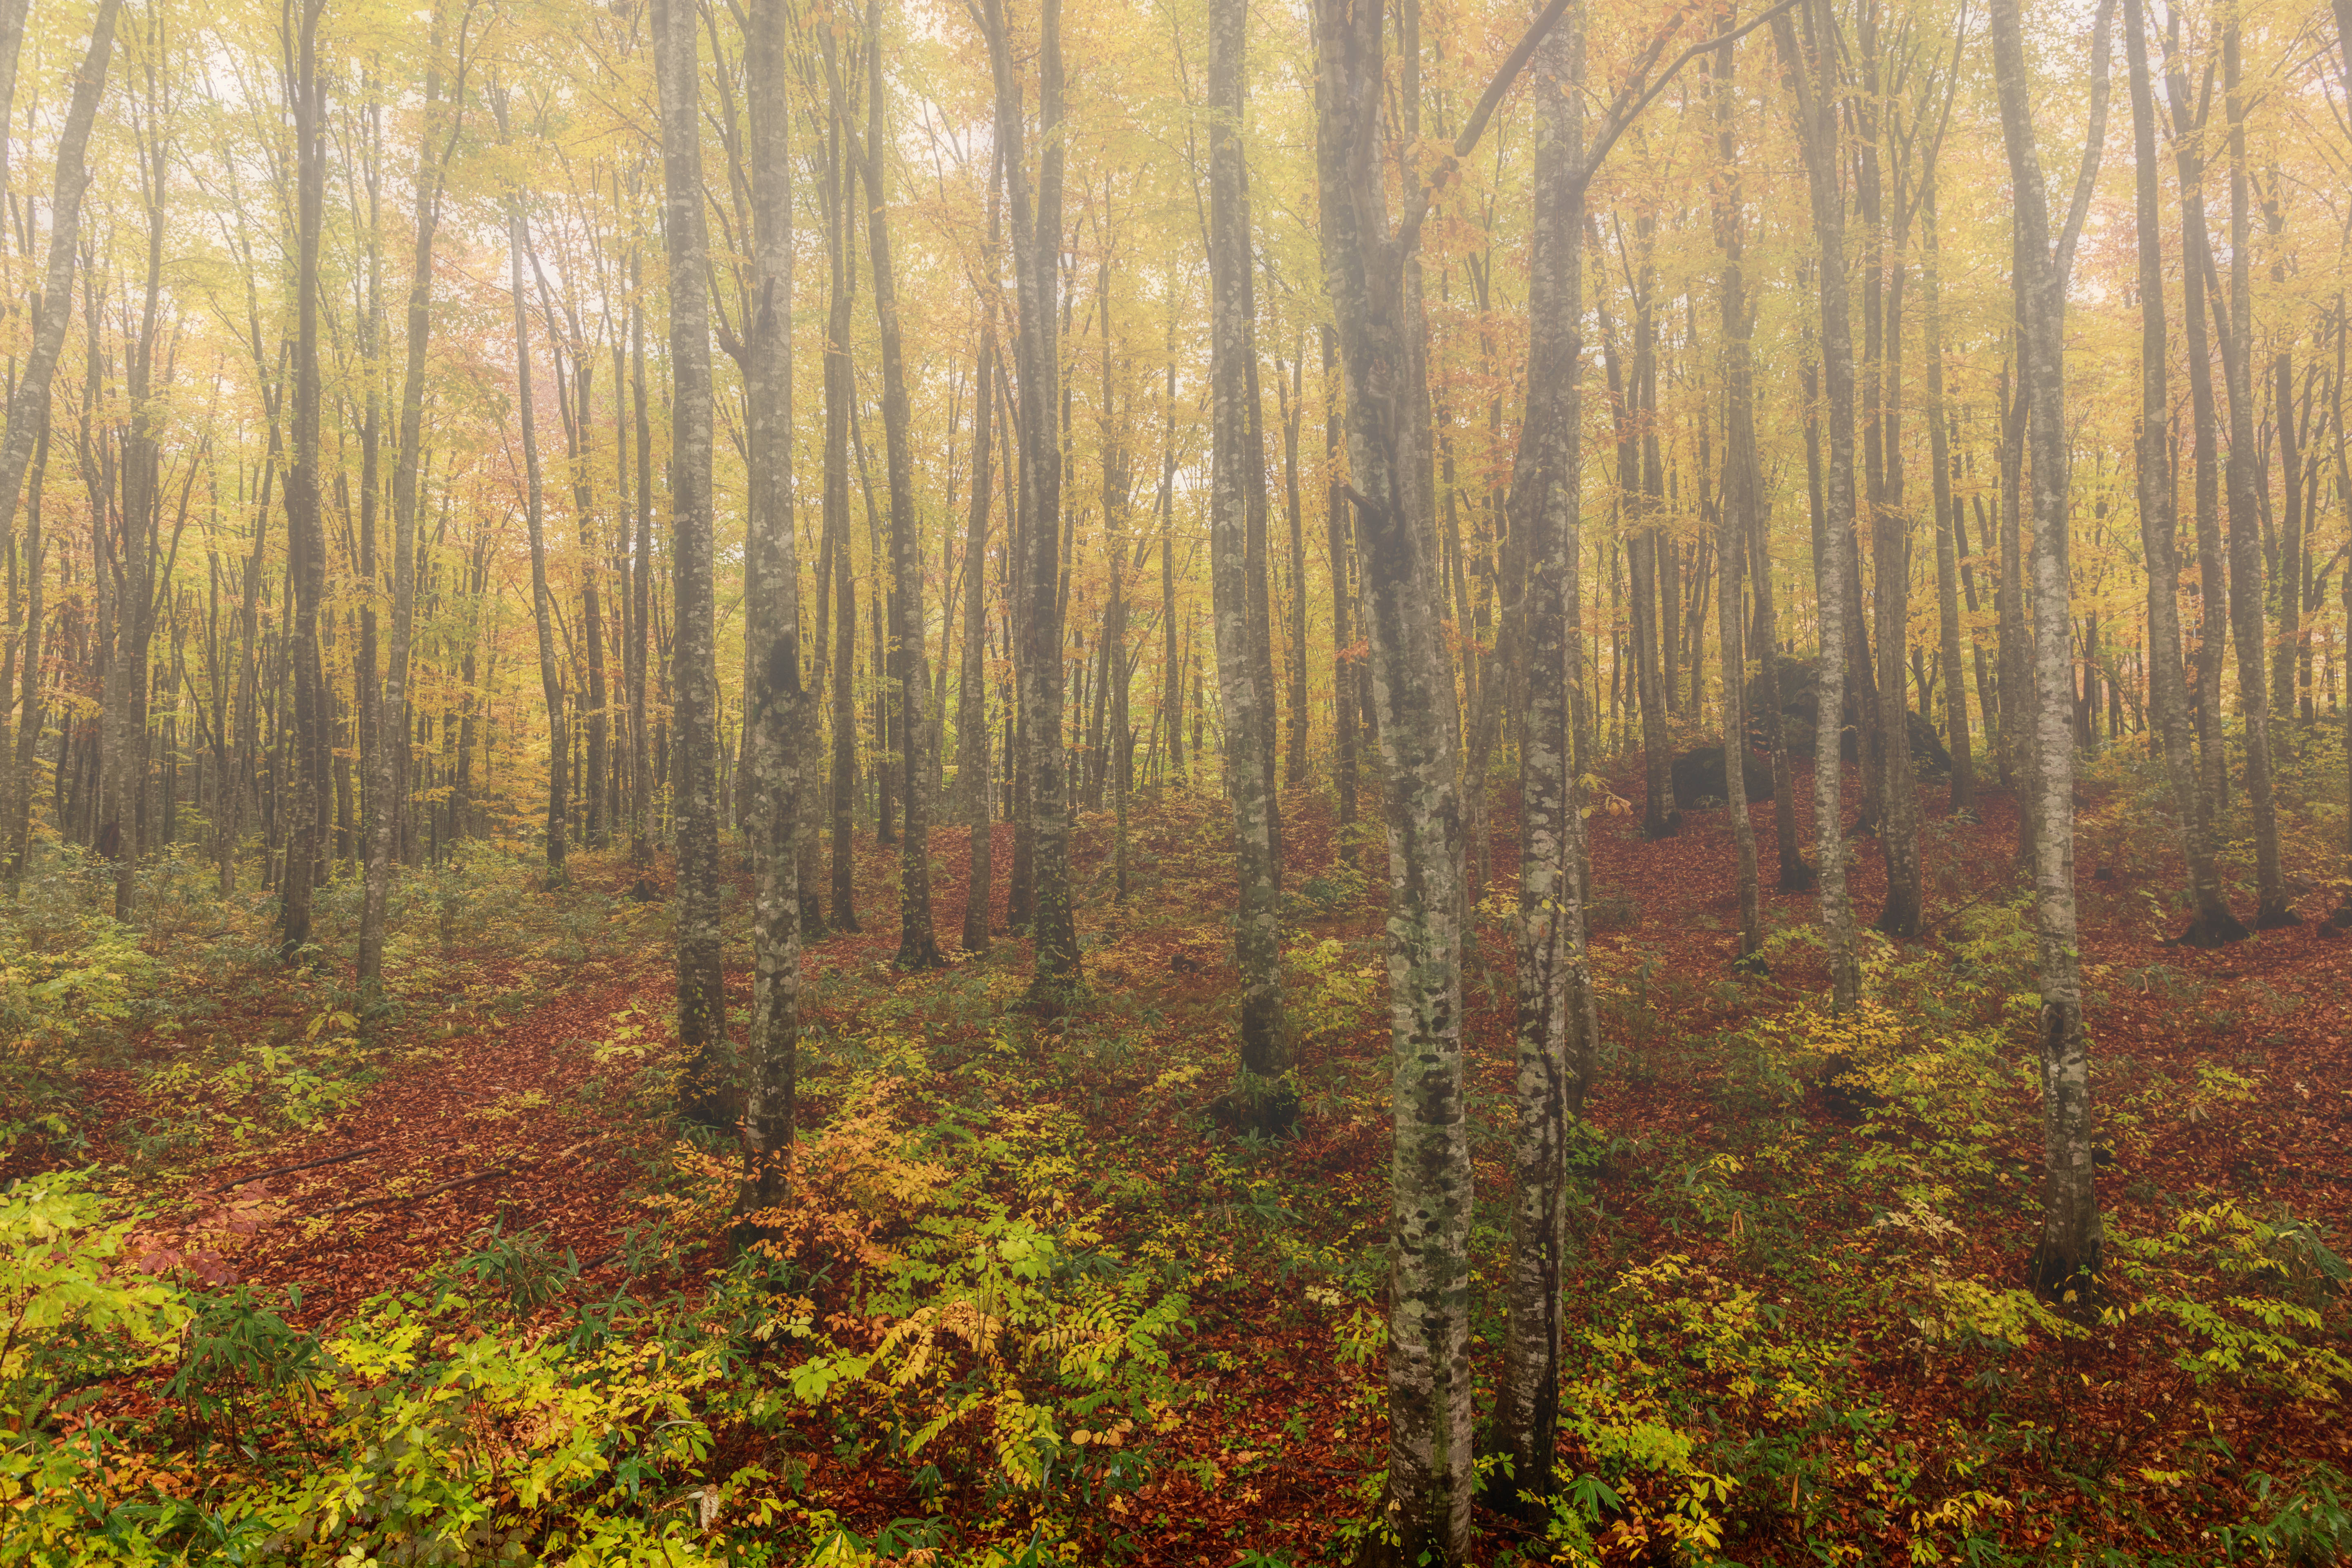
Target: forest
1025, 783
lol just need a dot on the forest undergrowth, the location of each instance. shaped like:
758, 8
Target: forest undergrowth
287, 1284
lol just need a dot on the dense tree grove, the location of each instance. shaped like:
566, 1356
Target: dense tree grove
702, 439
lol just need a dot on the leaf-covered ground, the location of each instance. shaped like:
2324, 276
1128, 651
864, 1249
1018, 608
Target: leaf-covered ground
1031, 1298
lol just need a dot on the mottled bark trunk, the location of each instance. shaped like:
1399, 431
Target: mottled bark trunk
1260, 1097
702, 999
778, 716
1814, 72
1553, 1033
2072, 1236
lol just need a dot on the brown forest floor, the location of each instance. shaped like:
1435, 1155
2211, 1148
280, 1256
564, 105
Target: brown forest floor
483, 1119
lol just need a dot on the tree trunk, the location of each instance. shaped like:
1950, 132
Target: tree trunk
971, 696
1949, 549
1261, 1098
2213, 922
1737, 519
917, 947
1814, 74
840, 388
306, 542
392, 731
1037, 244
542, 605
1553, 1031
702, 999
779, 720
2072, 1235
1344, 667
2212, 627
2243, 476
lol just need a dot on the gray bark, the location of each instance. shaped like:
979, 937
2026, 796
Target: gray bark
701, 999
1554, 1026
1036, 245
2071, 1234
1245, 697
1738, 520
384, 793
2244, 475
918, 948
780, 720
2213, 922
1817, 111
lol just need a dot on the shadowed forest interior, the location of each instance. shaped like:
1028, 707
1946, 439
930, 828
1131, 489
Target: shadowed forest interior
1346, 782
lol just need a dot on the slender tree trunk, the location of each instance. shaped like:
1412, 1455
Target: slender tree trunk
306, 542
1344, 667
779, 718
1295, 653
1949, 549
1737, 520
2213, 922
917, 947
1815, 73
1261, 1098
972, 716
392, 732
2212, 627
542, 604
2243, 476
1554, 1030
701, 999
642, 831
840, 388
1037, 244
2071, 1234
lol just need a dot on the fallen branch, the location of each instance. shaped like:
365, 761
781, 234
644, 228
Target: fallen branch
303, 1165
502, 1168
412, 1198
